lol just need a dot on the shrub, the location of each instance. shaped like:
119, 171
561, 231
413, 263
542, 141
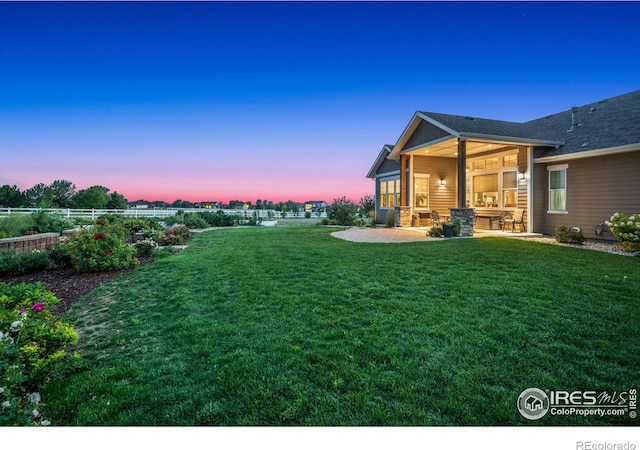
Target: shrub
15, 225
391, 219
191, 220
343, 211
146, 247
218, 218
60, 254
101, 249
569, 236
13, 262
435, 232
137, 225
456, 226
627, 230
32, 350
45, 222
175, 236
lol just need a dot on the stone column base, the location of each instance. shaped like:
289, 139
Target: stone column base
466, 218
403, 216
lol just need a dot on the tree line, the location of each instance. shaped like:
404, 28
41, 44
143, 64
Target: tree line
64, 194
61, 194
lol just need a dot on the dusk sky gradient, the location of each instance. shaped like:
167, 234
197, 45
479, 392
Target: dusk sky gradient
278, 101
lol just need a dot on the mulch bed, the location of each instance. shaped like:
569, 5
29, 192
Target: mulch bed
67, 284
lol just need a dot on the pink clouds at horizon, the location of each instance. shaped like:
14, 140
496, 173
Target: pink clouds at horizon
299, 186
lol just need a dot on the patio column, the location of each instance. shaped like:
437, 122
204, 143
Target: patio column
403, 210
403, 180
462, 173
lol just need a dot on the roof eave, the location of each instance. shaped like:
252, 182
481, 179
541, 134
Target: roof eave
510, 139
590, 153
410, 128
386, 149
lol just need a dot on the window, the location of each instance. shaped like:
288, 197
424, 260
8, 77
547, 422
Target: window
510, 189
494, 181
557, 188
421, 189
485, 191
389, 193
510, 160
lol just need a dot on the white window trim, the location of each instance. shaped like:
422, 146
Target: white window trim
499, 171
556, 168
413, 191
384, 180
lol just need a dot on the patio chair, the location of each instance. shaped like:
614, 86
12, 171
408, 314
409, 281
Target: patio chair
516, 219
435, 219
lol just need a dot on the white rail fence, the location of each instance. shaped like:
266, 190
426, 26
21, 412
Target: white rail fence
149, 212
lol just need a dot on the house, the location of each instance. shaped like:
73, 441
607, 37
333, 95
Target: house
315, 206
573, 168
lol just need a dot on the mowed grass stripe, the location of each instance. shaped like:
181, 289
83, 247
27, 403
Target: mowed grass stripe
290, 326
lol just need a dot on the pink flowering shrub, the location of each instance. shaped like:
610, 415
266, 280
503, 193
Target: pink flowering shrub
177, 235
101, 249
32, 350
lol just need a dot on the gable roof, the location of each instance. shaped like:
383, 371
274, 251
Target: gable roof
466, 127
603, 125
384, 153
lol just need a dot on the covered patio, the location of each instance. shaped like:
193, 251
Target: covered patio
477, 171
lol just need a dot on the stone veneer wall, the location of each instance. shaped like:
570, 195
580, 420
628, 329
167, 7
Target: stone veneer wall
466, 218
403, 216
29, 243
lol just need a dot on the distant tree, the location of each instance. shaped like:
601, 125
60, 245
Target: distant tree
62, 192
294, 207
39, 196
158, 204
95, 197
343, 211
234, 203
116, 201
11, 197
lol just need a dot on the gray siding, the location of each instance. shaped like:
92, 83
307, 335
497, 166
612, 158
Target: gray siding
388, 165
596, 188
425, 132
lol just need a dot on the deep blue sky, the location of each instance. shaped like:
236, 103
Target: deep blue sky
280, 100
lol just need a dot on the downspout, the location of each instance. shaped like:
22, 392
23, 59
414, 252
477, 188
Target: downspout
529, 179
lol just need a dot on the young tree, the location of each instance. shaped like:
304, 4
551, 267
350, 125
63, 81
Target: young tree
95, 197
11, 197
39, 196
343, 211
62, 192
116, 201
367, 205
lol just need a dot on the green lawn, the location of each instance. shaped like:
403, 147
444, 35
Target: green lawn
289, 326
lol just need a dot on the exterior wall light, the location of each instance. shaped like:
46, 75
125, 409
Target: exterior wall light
443, 181
521, 175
